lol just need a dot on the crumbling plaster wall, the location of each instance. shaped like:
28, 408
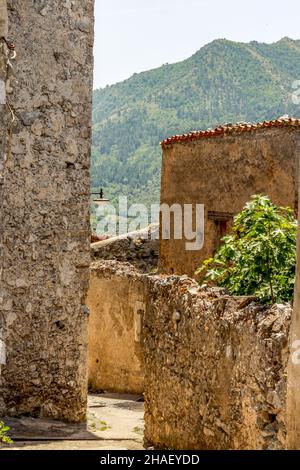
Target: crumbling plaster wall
223, 173
45, 231
116, 303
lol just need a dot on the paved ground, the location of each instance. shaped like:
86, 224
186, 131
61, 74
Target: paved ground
115, 422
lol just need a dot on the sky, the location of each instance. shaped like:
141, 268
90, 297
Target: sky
132, 36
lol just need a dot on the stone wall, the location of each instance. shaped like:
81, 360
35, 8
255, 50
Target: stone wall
45, 209
116, 302
139, 248
214, 365
3, 136
216, 379
222, 172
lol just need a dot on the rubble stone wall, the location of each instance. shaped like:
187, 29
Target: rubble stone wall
139, 248
45, 230
214, 365
215, 368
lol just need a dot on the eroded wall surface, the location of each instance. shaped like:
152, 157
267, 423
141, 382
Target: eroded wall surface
138, 248
3, 136
223, 173
45, 209
215, 365
116, 303
217, 378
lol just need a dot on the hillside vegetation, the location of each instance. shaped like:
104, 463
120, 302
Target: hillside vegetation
223, 82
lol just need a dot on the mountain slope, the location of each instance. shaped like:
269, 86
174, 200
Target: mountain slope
223, 82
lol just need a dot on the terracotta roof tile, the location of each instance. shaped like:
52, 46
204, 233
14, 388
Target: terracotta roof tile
232, 129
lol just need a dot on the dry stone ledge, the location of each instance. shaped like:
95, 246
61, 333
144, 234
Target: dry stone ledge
139, 248
217, 380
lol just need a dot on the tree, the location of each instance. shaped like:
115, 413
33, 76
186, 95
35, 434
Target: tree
259, 256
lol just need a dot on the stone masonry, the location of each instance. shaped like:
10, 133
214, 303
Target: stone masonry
45, 132
3, 136
215, 368
138, 248
214, 365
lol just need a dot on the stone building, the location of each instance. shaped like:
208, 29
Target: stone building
221, 169
45, 130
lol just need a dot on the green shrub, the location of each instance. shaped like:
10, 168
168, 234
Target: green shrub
259, 256
4, 438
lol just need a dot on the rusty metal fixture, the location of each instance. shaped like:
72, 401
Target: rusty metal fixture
10, 44
100, 200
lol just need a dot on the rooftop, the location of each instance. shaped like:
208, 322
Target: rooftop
226, 129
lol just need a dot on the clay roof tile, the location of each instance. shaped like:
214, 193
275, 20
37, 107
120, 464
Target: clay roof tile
232, 129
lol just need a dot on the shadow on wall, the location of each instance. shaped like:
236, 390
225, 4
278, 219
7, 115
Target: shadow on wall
116, 304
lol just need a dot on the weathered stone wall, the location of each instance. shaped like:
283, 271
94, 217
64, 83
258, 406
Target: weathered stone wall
219, 381
293, 372
138, 248
3, 135
116, 302
3, 19
214, 365
222, 173
45, 210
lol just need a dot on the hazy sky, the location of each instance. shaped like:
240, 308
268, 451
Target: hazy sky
137, 35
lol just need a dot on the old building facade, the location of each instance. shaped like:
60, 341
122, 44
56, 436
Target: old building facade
222, 169
45, 131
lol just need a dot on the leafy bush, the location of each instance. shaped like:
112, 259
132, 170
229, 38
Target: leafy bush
259, 256
4, 438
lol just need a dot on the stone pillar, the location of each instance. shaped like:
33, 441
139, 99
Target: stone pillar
293, 378
3, 33
3, 135
45, 210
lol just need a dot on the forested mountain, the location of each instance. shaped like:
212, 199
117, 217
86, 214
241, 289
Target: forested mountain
223, 82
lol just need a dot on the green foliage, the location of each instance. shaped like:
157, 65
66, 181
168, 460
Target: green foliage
4, 438
223, 82
259, 257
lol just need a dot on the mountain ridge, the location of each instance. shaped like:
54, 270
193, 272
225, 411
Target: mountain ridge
224, 81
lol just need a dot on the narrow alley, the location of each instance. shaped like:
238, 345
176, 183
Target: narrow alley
115, 422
